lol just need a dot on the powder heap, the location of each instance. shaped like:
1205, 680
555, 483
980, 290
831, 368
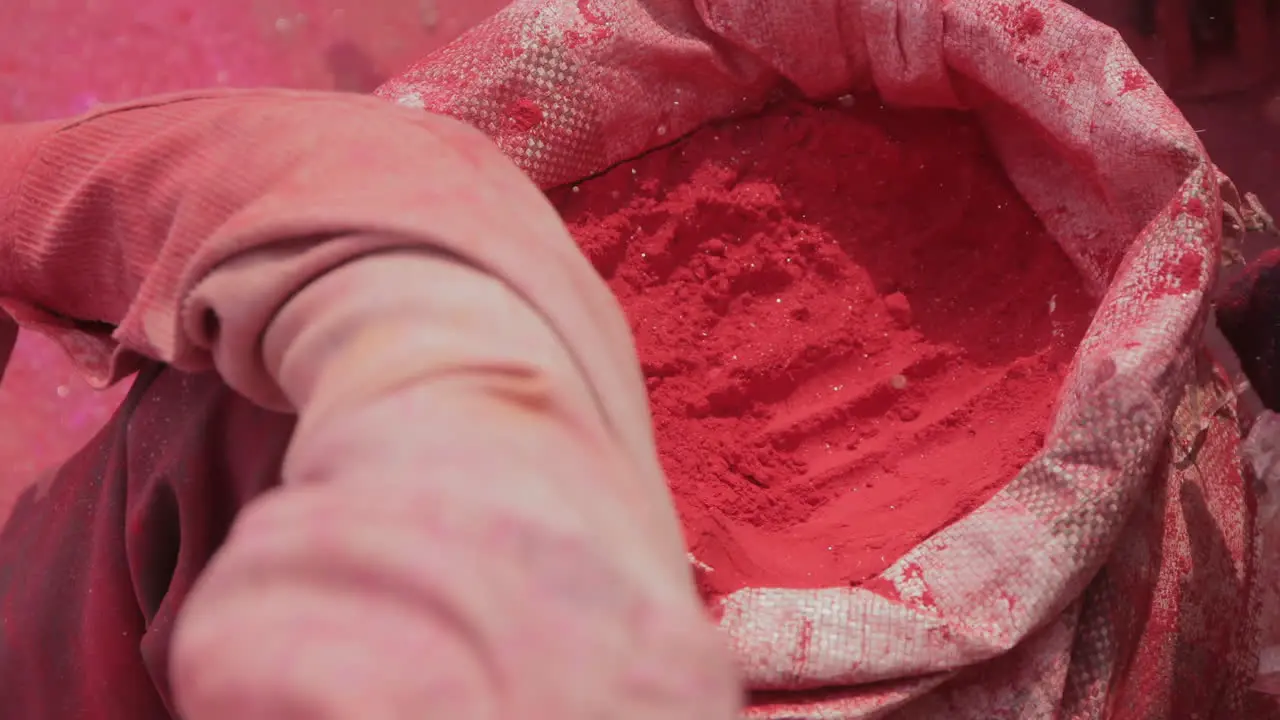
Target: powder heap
852, 327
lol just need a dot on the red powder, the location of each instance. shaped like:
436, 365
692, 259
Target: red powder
1023, 22
524, 115
589, 13
1193, 207
1133, 80
852, 327
1185, 276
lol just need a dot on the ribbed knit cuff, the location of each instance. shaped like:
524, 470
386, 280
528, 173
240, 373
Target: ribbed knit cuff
18, 145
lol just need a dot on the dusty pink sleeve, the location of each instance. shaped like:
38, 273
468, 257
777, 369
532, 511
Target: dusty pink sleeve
112, 225
175, 227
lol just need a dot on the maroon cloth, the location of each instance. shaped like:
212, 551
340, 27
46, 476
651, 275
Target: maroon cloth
1248, 313
97, 559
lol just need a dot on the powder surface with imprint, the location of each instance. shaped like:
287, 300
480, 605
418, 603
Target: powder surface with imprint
852, 328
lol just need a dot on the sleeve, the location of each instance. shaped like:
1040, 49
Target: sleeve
175, 227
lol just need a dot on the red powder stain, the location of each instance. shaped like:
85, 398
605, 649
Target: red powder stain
882, 587
806, 640
599, 32
1208, 184
574, 39
1050, 70
510, 45
1194, 207
914, 572
588, 12
523, 115
1134, 80
1054, 69
1023, 22
845, 321
1184, 275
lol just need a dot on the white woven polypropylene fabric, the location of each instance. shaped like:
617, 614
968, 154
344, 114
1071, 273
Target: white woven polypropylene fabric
1113, 578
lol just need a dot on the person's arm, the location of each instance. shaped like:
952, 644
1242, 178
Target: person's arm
503, 567
112, 225
472, 489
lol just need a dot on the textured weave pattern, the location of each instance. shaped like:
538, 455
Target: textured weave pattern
1113, 578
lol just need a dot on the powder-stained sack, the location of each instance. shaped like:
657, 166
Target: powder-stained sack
1113, 577
833, 376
